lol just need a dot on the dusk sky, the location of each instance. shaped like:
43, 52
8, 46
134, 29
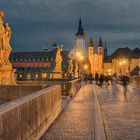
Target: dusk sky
39, 23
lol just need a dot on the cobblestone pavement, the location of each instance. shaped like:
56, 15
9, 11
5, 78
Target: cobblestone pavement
121, 113
76, 122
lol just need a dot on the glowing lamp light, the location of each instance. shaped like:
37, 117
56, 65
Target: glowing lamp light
78, 54
109, 70
81, 57
120, 63
124, 62
85, 67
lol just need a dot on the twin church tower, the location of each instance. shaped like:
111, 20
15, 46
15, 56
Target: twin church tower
95, 59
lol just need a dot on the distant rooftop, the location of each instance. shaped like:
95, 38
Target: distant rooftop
124, 53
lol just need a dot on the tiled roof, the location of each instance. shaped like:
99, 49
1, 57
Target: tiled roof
124, 53
36, 56
33, 55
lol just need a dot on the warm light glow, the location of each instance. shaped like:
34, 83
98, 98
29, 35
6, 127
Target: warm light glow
36, 76
78, 54
44, 75
81, 57
28, 76
85, 67
20, 75
120, 63
109, 70
124, 62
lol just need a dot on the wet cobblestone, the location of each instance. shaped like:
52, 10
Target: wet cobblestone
76, 122
121, 113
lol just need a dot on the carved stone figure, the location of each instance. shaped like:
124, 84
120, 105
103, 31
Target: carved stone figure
58, 59
6, 71
70, 67
76, 68
57, 72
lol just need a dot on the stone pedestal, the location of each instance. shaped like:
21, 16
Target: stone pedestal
7, 77
56, 74
76, 75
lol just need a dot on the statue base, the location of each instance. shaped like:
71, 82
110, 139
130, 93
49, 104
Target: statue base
56, 74
76, 75
7, 77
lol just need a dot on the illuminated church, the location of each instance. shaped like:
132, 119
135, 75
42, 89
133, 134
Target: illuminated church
96, 59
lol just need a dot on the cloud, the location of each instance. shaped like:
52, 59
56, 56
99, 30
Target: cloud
34, 21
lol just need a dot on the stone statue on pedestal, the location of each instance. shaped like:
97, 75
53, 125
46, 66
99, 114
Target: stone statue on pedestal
70, 68
6, 72
57, 72
58, 59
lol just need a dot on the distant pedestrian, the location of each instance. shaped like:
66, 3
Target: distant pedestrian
96, 78
101, 79
125, 81
90, 78
106, 80
85, 78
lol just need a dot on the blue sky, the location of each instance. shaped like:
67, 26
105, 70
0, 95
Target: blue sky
39, 23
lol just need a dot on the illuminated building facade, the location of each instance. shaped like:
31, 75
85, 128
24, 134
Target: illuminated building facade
96, 59
123, 61
35, 65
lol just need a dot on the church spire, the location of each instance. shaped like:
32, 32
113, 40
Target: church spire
100, 43
91, 43
80, 28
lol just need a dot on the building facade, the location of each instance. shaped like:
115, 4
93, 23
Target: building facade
96, 59
36, 65
123, 61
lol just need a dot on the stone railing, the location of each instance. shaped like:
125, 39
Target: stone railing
27, 117
11, 92
70, 88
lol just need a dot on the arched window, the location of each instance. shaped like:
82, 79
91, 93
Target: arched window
44, 75
28, 76
36, 76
